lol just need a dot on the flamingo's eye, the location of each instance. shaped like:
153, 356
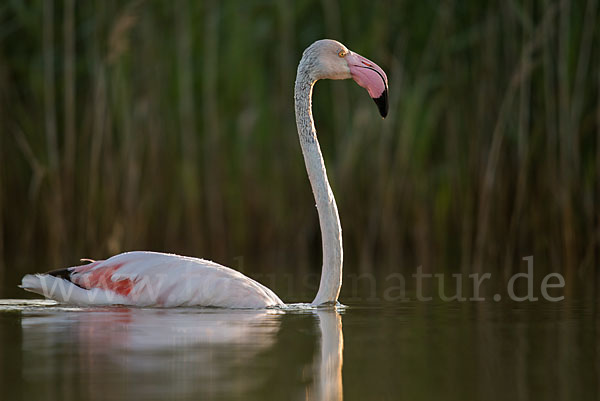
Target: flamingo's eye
342, 53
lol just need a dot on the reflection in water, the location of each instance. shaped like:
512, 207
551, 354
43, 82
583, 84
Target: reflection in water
169, 353
165, 352
416, 351
327, 366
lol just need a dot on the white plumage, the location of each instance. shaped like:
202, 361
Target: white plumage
154, 279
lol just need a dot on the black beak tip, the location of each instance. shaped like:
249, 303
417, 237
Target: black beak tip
382, 103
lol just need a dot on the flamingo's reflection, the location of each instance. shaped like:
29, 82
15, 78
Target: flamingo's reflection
327, 366
176, 353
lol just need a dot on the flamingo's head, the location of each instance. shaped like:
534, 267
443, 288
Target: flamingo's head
329, 59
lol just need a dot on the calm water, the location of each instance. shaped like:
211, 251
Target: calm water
412, 351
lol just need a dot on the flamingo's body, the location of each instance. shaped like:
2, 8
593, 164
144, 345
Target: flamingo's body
153, 279
158, 279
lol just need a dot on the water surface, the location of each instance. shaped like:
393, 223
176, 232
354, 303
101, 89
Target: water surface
412, 351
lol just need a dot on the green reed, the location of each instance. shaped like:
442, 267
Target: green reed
170, 126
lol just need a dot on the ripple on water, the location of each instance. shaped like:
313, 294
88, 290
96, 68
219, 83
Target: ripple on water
19, 305
11, 305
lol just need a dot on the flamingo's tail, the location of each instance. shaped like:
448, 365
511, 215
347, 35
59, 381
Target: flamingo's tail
53, 287
57, 285
31, 282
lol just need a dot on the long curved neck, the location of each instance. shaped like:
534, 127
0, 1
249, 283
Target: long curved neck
331, 230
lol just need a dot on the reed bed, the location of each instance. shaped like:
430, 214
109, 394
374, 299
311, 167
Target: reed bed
170, 126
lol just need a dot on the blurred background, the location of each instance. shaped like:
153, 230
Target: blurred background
169, 126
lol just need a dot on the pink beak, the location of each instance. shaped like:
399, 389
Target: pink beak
371, 77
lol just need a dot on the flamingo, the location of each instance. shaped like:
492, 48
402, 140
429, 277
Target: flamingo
165, 280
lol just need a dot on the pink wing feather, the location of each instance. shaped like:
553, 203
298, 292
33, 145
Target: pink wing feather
99, 275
